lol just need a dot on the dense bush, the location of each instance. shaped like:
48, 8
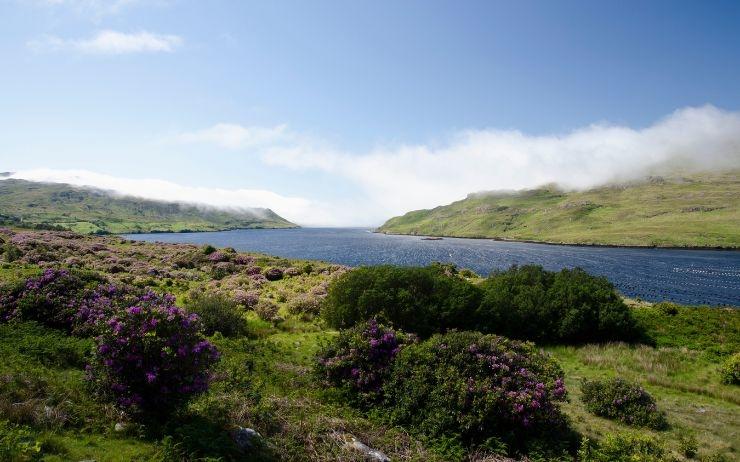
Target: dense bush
52, 298
267, 310
475, 386
622, 448
273, 274
151, 357
569, 306
731, 370
420, 300
217, 313
305, 305
358, 360
624, 401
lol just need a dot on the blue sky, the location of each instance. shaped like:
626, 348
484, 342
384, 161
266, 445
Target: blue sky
350, 112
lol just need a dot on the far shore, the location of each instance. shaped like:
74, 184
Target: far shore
572, 244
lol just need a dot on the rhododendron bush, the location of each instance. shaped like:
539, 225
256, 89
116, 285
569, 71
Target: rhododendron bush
475, 386
358, 360
151, 357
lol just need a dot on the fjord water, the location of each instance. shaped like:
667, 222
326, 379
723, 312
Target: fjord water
709, 277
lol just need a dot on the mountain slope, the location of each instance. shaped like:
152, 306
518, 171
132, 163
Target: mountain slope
701, 210
87, 210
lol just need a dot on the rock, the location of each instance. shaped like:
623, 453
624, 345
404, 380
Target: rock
350, 442
245, 438
120, 427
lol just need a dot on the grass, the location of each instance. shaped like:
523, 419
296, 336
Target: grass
696, 211
266, 381
87, 211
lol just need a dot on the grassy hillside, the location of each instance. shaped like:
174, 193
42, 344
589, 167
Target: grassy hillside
264, 378
85, 210
693, 211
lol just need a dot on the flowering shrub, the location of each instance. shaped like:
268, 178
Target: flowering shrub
151, 357
267, 310
358, 359
246, 299
475, 386
273, 274
308, 305
731, 370
52, 298
217, 257
292, 272
622, 400
241, 259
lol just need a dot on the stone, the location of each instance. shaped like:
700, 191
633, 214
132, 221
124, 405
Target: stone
350, 442
245, 438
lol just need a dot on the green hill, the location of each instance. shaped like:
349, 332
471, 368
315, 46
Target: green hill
87, 210
701, 210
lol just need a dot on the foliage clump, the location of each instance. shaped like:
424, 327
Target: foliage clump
358, 360
621, 400
217, 313
151, 357
420, 300
622, 447
475, 386
17, 443
273, 274
568, 306
731, 370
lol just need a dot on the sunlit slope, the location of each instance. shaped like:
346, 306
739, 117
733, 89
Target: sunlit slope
30, 204
686, 211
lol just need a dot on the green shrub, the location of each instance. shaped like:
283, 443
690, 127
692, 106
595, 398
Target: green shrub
731, 370
10, 252
622, 448
359, 358
17, 443
688, 446
267, 310
420, 300
474, 387
571, 306
621, 400
305, 305
217, 313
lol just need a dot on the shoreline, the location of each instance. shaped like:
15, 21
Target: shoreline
570, 244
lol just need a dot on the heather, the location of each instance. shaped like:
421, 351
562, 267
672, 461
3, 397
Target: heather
265, 376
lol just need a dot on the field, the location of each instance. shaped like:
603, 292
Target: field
692, 211
88, 211
266, 381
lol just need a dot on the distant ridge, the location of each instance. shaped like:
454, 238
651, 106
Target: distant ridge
90, 210
698, 210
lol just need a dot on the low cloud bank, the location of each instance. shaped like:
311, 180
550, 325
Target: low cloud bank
296, 209
404, 178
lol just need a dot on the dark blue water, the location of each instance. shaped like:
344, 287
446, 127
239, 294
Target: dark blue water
685, 276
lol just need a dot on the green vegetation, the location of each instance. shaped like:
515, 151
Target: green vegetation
625, 401
568, 306
693, 211
92, 211
264, 378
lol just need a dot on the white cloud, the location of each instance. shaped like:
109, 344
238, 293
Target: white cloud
297, 209
111, 42
404, 178
233, 136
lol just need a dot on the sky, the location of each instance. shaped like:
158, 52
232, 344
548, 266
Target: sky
337, 113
